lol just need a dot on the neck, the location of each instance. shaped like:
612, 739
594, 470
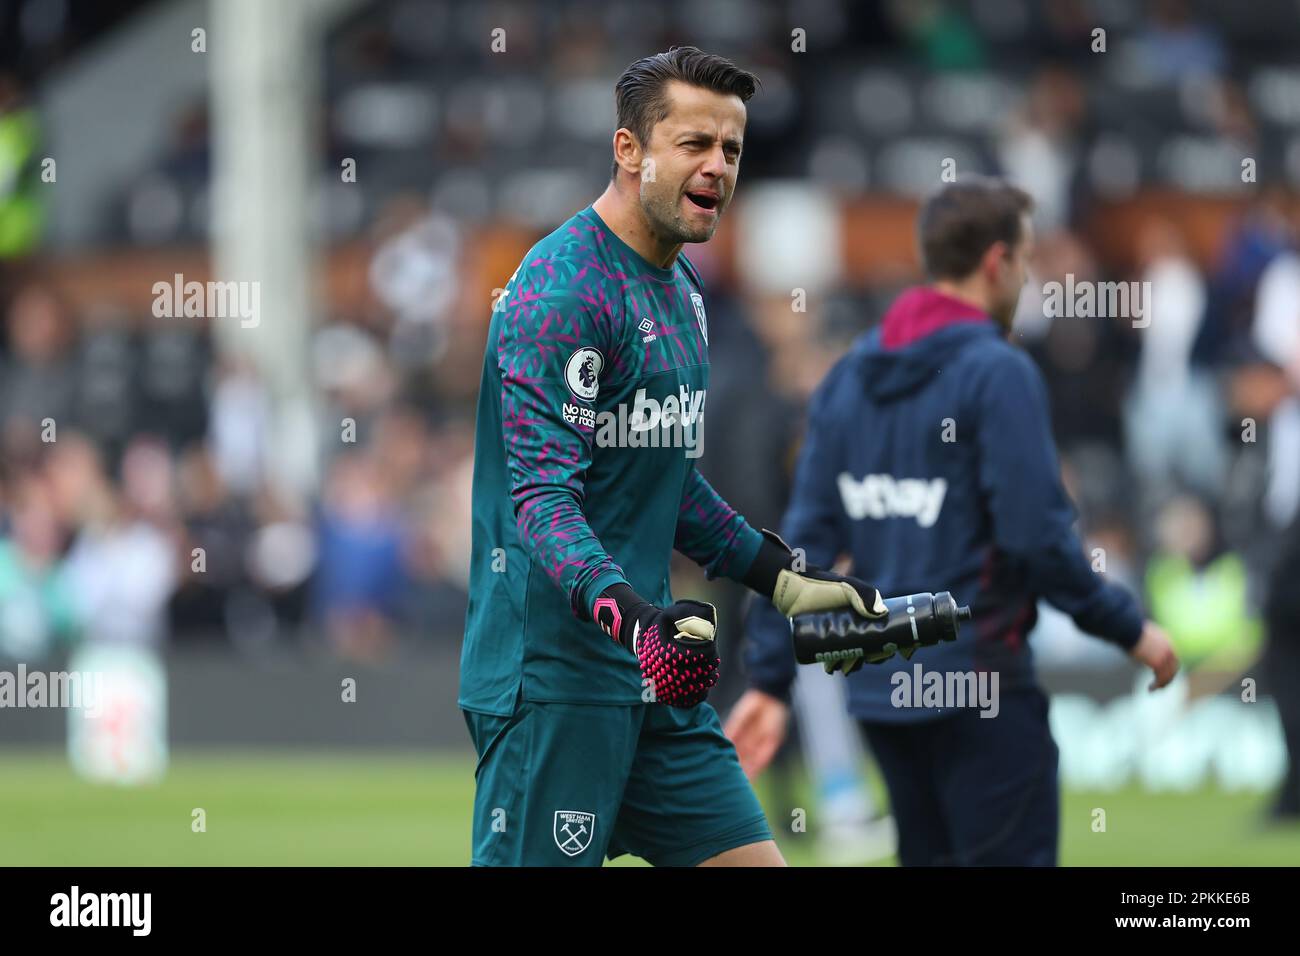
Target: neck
971, 291
626, 219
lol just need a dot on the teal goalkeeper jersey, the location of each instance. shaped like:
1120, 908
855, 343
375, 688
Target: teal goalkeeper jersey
590, 423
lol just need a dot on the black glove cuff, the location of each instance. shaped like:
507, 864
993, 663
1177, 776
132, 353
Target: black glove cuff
615, 610
773, 557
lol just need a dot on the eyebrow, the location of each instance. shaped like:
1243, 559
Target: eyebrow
708, 138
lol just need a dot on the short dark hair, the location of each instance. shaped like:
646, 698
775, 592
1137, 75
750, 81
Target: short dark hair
958, 223
641, 92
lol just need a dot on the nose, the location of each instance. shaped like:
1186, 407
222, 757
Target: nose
715, 164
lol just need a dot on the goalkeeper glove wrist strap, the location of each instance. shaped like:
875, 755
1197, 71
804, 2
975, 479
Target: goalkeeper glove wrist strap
616, 611
792, 591
773, 557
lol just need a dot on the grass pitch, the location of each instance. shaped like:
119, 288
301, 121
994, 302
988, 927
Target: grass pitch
348, 809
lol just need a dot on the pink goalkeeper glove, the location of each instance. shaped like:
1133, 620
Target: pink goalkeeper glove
674, 645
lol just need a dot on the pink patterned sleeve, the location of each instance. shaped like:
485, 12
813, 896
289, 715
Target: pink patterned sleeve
553, 347
711, 533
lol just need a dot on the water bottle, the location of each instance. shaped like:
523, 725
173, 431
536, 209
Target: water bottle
917, 620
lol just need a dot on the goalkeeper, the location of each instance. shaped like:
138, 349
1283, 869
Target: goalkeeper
582, 681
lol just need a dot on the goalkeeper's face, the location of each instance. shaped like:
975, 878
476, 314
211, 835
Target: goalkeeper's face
693, 160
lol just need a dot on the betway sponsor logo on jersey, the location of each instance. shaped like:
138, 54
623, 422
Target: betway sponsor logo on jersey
884, 496
685, 407
675, 420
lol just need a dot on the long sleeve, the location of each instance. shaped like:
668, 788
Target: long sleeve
552, 351
711, 533
1033, 519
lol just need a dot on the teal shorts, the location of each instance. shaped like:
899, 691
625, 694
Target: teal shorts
572, 784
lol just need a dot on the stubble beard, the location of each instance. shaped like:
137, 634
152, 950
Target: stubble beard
664, 217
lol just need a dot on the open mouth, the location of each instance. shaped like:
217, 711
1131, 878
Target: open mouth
703, 200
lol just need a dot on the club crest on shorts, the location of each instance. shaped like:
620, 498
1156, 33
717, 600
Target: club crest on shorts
574, 830
698, 301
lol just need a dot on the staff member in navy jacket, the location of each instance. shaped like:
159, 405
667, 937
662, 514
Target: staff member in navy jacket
928, 458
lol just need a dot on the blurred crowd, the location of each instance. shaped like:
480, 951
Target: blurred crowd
136, 503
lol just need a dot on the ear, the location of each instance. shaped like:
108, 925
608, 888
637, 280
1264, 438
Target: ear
995, 256
627, 151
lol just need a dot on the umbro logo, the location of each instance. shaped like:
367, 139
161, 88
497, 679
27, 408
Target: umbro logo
648, 328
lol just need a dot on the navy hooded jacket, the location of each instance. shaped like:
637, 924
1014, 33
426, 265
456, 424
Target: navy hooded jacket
928, 459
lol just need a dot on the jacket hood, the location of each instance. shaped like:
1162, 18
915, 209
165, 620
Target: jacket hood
920, 334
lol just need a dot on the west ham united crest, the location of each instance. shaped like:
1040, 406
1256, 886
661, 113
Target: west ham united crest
574, 830
698, 301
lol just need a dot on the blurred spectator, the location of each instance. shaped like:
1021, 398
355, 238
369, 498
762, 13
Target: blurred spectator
1197, 591
1262, 233
238, 425
413, 275
1174, 45
37, 610
361, 575
941, 34
1174, 415
123, 563
219, 526
1087, 361
38, 382
1282, 665
1040, 148
21, 208
1275, 334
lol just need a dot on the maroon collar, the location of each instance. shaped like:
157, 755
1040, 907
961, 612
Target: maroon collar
921, 311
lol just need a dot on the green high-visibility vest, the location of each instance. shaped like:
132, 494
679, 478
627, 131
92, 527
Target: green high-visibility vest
21, 212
